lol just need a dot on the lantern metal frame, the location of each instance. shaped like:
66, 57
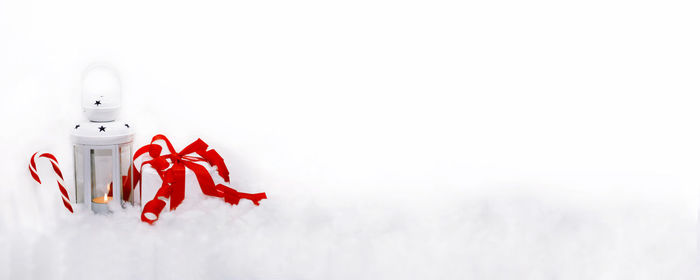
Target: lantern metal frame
85, 149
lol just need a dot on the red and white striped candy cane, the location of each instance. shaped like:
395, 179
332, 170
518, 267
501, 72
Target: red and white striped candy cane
57, 170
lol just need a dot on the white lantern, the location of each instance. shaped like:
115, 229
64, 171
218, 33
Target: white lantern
103, 145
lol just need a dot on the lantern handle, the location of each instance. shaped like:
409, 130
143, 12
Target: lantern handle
96, 65
101, 92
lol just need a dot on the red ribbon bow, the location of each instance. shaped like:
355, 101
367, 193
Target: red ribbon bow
171, 168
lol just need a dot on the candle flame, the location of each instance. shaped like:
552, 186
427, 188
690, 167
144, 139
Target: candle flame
108, 188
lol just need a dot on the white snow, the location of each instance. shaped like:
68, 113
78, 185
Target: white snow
395, 139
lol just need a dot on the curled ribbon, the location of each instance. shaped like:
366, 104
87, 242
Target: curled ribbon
57, 170
171, 168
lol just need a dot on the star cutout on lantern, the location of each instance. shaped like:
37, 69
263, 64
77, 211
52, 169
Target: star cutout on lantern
102, 128
76, 126
127, 125
98, 103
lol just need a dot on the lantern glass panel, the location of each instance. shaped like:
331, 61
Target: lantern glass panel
101, 166
128, 192
78, 156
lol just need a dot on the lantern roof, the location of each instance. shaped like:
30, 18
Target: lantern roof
102, 133
101, 101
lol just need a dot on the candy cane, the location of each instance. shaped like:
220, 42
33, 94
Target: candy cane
57, 170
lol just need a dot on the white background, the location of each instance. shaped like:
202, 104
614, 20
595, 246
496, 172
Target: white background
395, 139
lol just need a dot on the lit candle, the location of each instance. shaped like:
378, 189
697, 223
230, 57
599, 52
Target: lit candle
103, 199
99, 204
